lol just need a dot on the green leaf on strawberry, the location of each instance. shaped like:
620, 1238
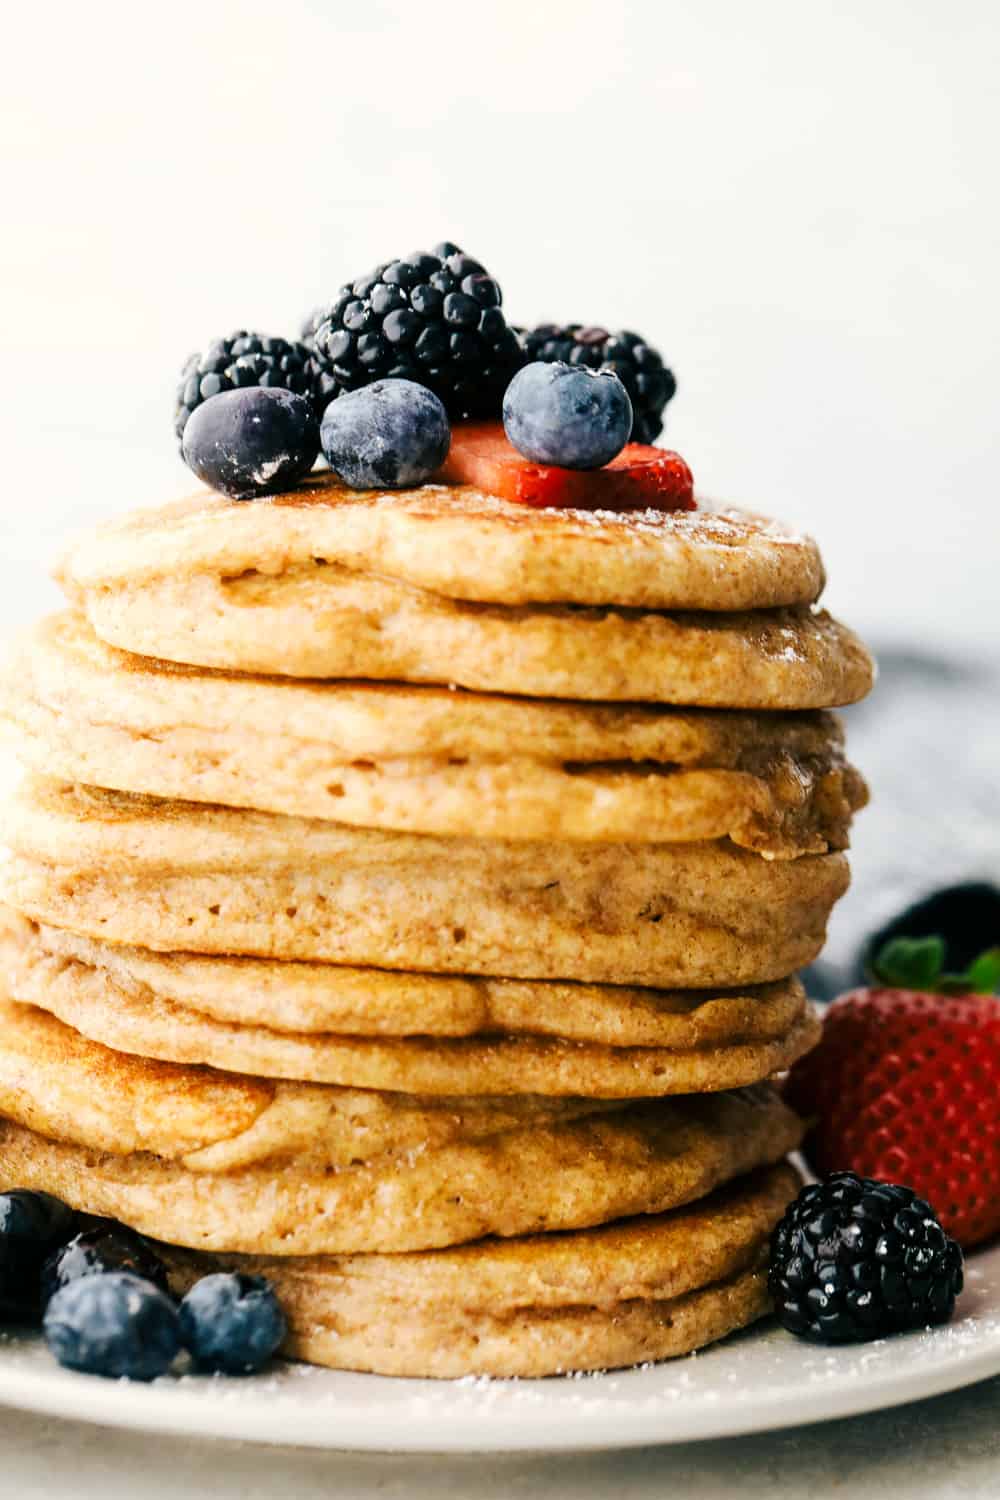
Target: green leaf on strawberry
984, 974
904, 1083
918, 964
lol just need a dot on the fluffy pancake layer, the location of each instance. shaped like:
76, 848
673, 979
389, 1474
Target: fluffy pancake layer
175, 877
320, 998
96, 999
324, 621
425, 760
462, 544
649, 1288
313, 773
226, 1162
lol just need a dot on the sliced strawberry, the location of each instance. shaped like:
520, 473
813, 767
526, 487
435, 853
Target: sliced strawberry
903, 1087
640, 478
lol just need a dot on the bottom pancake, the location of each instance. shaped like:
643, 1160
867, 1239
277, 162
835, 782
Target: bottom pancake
643, 1289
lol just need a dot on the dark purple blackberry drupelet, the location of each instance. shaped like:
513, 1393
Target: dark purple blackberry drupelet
240, 361
435, 319
325, 387
106, 1247
854, 1260
638, 365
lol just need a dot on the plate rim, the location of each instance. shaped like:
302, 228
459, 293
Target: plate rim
177, 1406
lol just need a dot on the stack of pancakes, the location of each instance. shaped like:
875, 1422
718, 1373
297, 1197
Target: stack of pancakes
405, 900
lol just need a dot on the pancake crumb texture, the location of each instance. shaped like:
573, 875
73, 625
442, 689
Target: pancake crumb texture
423, 760
177, 877
404, 902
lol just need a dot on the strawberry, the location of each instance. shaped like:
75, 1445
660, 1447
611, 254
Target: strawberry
904, 1085
640, 478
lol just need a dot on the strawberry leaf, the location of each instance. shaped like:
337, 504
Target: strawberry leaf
983, 975
911, 963
918, 964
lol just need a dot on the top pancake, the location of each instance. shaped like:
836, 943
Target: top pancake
463, 544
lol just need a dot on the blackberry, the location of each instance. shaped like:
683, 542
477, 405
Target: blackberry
854, 1260
638, 365
106, 1247
325, 386
246, 359
435, 319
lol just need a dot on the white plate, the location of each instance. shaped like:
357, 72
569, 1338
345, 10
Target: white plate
752, 1382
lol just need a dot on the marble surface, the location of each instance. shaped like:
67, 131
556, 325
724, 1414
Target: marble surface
948, 1449
928, 742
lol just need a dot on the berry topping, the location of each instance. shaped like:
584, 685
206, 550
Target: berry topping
32, 1226
435, 319
232, 1324
114, 1325
242, 360
389, 435
961, 915
107, 1247
903, 1084
854, 1259
639, 367
640, 478
574, 417
252, 443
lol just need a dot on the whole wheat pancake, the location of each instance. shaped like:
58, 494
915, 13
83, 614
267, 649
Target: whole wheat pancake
174, 876
424, 760
461, 544
648, 1288
320, 620
127, 1019
222, 1161
314, 998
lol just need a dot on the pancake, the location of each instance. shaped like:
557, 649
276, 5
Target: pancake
461, 544
174, 876
88, 999
425, 760
320, 620
221, 1161
645, 1289
327, 998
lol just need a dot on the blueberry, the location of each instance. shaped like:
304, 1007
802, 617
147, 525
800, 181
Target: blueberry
115, 1325
253, 441
106, 1247
32, 1226
388, 435
568, 415
232, 1324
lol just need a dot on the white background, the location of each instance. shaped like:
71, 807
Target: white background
796, 201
